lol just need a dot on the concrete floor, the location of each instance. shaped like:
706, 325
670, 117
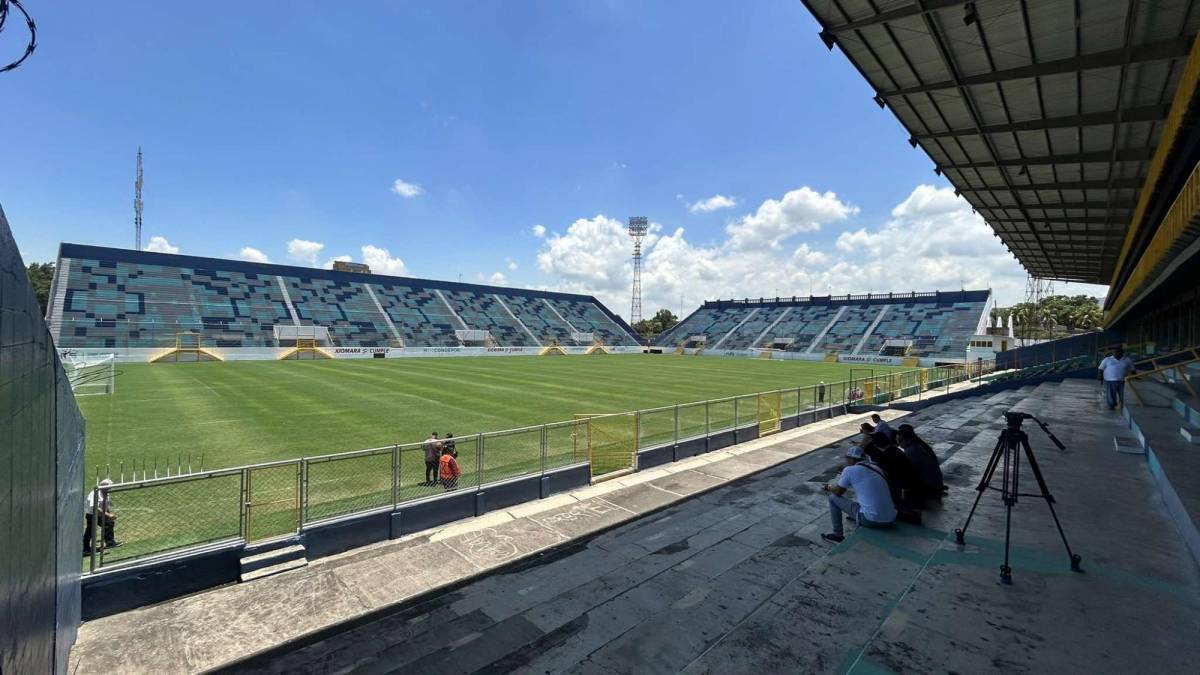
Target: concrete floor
737, 580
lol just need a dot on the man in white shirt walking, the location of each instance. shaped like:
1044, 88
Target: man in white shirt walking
1114, 368
872, 505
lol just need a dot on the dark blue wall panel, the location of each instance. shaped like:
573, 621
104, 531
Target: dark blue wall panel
333, 538
122, 591
509, 493
41, 483
655, 456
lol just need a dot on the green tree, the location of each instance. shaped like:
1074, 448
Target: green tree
663, 320
1060, 314
40, 275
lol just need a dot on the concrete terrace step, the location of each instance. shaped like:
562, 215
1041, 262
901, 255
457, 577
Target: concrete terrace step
267, 558
273, 569
1190, 433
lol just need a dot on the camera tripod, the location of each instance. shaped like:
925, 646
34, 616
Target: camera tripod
1007, 456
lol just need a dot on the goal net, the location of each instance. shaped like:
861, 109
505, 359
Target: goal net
91, 375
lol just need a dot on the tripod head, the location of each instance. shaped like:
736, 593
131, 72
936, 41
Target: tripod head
1013, 419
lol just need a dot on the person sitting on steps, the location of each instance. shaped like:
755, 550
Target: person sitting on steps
924, 459
881, 426
901, 475
872, 504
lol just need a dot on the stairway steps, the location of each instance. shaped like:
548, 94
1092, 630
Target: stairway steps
274, 569
275, 559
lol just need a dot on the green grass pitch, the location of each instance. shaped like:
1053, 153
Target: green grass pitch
249, 412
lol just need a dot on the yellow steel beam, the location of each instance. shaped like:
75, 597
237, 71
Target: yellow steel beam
1188, 81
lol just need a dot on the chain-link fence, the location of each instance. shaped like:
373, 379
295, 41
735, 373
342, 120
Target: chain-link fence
155, 516
337, 485
255, 503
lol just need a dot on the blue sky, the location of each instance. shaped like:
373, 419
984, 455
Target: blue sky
275, 122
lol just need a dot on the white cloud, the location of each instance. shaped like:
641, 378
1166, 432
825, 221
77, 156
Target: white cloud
713, 203
510, 264
251, 254
161, 245
594, 251
381, 261
539, 231
406, 189
302, 250
803, 210
932, 241
498, 279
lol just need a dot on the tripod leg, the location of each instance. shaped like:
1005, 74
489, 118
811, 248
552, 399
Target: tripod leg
983, 485
1037, 474
1011, 490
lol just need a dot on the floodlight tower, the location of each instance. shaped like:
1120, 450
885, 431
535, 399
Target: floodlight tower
637, 230
137, 202
1038, 324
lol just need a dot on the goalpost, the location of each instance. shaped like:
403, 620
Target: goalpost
91, 375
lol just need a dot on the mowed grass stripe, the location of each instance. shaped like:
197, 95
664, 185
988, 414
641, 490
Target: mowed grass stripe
280, 410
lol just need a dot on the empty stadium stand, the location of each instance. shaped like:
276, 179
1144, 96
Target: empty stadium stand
938, 324
118, 298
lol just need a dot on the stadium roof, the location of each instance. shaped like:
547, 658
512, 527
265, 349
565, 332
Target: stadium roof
1045, 116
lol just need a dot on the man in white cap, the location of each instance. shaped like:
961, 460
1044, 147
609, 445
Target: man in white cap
98, 510
872, 504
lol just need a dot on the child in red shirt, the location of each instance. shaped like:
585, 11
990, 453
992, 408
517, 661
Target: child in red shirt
449, 471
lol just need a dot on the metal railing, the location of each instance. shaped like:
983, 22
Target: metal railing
170, 515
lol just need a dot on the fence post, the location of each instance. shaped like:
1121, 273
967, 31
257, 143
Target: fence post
736, 420
707, 428
244, 510
676, 424
545, 432
637, 431
479, 460
302, 490
395, 474
92, 543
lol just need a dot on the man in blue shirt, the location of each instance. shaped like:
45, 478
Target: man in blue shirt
1115, 368
872, 504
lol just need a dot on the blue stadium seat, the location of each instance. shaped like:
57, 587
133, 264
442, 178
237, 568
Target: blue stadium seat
114, 298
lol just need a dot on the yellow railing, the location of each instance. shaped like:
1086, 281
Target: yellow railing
1188, 81
1157, 367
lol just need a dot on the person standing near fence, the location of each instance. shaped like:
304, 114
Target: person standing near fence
821, 392
450, 471
98, 510
433, 451
1114, 369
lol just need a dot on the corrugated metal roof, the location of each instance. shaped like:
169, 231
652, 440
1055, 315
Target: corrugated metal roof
1042, 114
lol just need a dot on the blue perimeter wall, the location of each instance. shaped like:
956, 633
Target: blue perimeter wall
41, 483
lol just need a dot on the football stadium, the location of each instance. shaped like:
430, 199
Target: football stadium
202, 371
285, 468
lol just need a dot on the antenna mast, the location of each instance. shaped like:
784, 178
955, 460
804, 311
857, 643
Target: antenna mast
637, 230
137, 202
